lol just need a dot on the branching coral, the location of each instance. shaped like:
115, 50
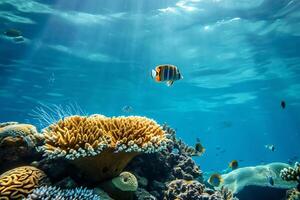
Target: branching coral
100, 146
291, 173
54, 193
165, 166
19, 182
180, 189
178, 144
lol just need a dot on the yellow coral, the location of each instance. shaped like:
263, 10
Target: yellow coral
19, 182
101, 146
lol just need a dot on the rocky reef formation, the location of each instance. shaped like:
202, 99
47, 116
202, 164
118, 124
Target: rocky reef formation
292, 174
17, 144
98, 157
254, 182
159, 173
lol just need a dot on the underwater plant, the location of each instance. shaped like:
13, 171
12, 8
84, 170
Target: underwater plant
46, 114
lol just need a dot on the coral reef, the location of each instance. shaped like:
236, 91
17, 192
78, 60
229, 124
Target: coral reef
293, 194
182, 189
291, 173
54, 193
94, 151
157, 169
17, 144
191, 190
121, 187
178, 144
19, 182
100, 146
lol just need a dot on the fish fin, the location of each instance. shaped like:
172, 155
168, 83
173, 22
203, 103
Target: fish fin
153, 73
169, 83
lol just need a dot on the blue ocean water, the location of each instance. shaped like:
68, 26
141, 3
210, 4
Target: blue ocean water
239, 59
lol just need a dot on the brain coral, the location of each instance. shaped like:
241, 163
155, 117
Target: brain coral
19, 182
54, 193
101, 146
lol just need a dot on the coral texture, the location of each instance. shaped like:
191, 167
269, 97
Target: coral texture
19, 182
189, 190
162, 167
27, 132
178, 144
17, 144
293, 194
54, 193
126, 181
100, 146
121, 187
291, 173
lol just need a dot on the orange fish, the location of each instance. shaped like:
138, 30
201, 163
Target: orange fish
167, 72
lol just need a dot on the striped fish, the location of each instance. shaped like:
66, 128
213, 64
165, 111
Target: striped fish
168, 73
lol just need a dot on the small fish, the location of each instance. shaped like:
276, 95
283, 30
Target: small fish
199, 148
13, 33
271, 147
215, 180
167, 72
234, 164
270, 180
283, 104
127, 109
